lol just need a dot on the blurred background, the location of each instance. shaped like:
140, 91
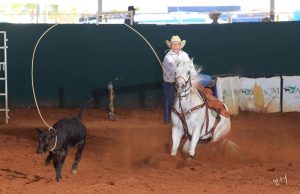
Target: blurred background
148, 12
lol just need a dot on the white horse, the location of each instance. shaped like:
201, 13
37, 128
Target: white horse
190, 115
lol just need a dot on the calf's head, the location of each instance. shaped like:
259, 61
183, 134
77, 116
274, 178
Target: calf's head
44, 138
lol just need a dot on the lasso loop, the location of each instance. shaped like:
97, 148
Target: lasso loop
32, 74
150, 48
33, 57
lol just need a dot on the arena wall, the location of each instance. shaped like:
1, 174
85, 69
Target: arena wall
76, 61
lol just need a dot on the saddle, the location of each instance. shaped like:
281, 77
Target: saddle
210, 102
213, 102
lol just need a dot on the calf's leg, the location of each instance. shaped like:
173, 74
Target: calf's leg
80, 147
49, 158
58, 162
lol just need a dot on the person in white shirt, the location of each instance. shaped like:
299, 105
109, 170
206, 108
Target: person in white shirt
171, 60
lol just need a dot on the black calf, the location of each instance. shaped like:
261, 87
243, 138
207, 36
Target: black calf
66, 133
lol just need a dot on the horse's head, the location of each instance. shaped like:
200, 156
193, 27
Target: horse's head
183, 77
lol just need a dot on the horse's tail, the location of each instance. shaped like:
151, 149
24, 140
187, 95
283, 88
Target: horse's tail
83, 107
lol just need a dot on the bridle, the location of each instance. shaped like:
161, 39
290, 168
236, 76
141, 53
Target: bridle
182, 115
187, 88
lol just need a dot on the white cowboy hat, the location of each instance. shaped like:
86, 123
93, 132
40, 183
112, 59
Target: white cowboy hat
176, 39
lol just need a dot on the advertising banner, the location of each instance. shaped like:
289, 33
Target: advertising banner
260, 94
246, 97
290, 93
271, 88
228, 89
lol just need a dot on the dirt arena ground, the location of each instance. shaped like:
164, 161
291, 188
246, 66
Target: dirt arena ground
131, 155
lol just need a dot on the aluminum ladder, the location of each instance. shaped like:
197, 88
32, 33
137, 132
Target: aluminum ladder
3, 73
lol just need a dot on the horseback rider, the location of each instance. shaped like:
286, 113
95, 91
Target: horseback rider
170, 62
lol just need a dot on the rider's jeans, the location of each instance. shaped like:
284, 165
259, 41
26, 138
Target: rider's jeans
168, 98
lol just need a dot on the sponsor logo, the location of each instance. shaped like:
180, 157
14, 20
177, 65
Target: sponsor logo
246, 91
268, 92
272, 92
228, 93
291, 90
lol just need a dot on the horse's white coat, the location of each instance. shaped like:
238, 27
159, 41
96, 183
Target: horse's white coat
189, 97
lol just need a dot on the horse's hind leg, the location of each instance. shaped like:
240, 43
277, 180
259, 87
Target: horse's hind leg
80, 147
176, 136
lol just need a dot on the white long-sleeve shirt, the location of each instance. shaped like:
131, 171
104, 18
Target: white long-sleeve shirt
170, 63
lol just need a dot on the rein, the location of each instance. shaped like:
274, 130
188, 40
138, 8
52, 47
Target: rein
182, 117
202, 94
186, 89
183, 114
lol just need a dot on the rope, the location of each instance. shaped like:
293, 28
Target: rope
33, 57
150, 48
54, 144
32, 75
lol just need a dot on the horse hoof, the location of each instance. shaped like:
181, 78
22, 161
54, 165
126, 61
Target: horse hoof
74, 171
191, 157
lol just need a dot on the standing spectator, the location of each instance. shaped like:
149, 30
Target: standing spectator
214, 16
127, 20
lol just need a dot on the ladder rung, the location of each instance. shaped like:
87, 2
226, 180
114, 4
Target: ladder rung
3, 66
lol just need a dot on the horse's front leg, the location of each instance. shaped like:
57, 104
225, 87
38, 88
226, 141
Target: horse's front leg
194, 141
186, 146
176, 137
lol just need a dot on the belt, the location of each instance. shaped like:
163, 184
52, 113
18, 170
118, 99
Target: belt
169, 82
